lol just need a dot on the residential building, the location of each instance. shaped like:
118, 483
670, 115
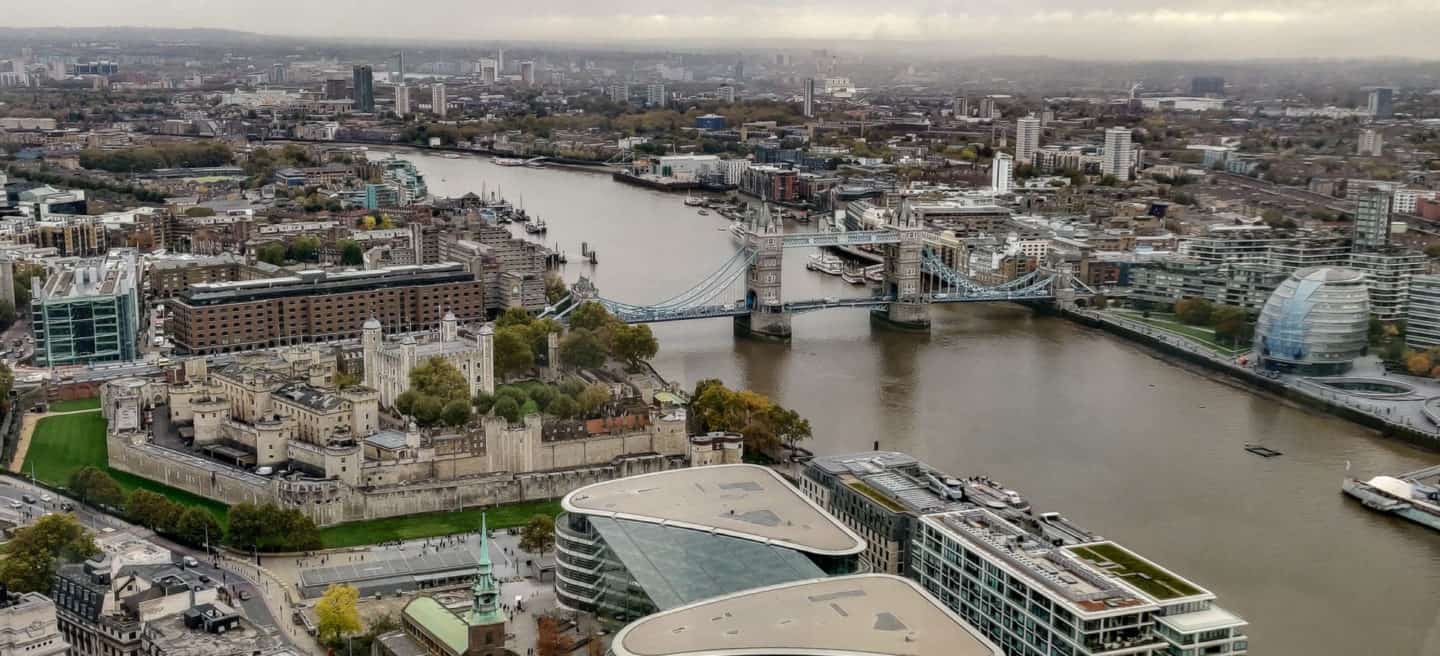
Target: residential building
619, 93
1027, 139
684, 167
439, 104
316, 306
1372, 220
28, 625
1316, 323
1002, 171
1381, 103
335, 89
1407, 201
87, 311
406, 179
402, 100
725, 94
1370, 143
527, 73
630, 547
833, 615
1387, 275
1162, 282
381, 195
960, 107
1308, 251
808, 109
1119, 154
1207, 85
655, 95
1225, 243
363, 85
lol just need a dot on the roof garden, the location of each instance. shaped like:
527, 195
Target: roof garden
1136, 571
875, 496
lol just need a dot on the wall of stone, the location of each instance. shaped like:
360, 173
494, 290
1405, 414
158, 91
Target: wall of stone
186, 472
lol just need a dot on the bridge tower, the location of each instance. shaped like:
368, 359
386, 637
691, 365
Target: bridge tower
1064, 287
910, 308
767, 318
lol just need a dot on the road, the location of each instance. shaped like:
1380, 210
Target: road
12, 491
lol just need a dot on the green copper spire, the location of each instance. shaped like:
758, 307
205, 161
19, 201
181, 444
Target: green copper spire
485, 593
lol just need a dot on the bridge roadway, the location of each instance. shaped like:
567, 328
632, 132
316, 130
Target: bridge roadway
837, 238
738, 309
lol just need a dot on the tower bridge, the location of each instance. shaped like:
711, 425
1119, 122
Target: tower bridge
913, 278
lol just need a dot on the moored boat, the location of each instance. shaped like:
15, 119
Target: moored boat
1414, 496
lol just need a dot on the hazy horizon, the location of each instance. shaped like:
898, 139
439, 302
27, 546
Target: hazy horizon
1091, 29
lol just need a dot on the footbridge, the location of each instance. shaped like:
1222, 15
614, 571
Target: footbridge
912, 278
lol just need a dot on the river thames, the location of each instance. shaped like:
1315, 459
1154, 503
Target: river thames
1132, 447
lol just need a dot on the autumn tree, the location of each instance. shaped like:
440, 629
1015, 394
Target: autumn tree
1194, 311
152, 510
549, 640
1230, 324
337, 614
592, 398
538, 534
34, 551
1419, 364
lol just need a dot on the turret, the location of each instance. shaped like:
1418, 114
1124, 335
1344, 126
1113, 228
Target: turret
370, 342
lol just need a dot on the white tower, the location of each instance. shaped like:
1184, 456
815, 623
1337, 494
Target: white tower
370, 340
1027, 139
1119, 156
449, 328
486, 341
1001, 172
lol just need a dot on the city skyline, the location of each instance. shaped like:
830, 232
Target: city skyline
1212, 30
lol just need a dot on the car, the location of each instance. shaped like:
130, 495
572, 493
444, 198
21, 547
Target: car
189, 561
204, 578
16, 505
27, 498
46, 498
244, 595
67, 507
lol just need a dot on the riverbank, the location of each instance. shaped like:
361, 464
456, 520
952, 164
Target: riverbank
1367, 411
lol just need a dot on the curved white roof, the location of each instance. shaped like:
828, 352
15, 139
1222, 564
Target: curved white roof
744, 501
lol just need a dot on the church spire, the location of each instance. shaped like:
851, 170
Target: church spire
485, 593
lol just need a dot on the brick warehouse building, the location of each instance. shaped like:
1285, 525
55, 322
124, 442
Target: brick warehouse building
314, 306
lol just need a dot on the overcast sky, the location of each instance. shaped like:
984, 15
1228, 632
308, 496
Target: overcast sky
1108, 29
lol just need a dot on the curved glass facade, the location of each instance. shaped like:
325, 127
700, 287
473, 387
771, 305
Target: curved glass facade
1316, 322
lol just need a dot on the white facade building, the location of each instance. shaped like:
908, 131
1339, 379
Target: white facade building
1406, 201
438, 101
1119, 154
402, 100
1370, 144
655, 95
733, 169
1001, 173
1027, 139
28, 626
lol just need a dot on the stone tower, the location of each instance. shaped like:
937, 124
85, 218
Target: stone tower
486, 620
767, 318
909, 309
485, 341
370, 341
449, 328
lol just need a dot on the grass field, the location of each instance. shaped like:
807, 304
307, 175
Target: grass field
432, 525
92, 403
63, 445
1168, 323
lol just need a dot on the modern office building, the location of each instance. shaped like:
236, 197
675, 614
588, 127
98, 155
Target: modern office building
87, 311
1387, 274
1316, 322
960, 107
1037, 587
633, 546
1370, 143
1382, 102
1027, 139
809, 106
314, 306
439, 104
1372, 220
618, 93
335, 89
1207, 85
839, 616
1119, 155
1422, 319
363, 83
1002, 172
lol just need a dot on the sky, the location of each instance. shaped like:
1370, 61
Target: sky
1081, 29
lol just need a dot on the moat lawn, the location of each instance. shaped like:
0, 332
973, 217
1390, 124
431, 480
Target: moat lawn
65, 444
436, 524
92, 403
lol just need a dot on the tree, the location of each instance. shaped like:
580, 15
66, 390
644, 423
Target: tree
483, 402
199, 211
549, 640
7, 382
92, 485
345, 381
592, 398
336, 613
564, 406
304, 249
455, 413
634, 344
195, 525
538, 332
7, 313
1194, 311
1419, 363
543, 395
507, 407
405, 402
515, 316
554, 288
271, 253
1433, 250
513, 355
590, 316
582, 349
427, 410
1230, 324
152, 510
351, 254
438, 378
269, 528
538, 534
31, 554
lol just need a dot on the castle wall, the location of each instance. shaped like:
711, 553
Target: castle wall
189, 473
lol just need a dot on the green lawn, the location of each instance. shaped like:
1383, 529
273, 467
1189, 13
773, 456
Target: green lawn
65, 444
876, 496
1167, 322
1139, 573
434, 524
92, 403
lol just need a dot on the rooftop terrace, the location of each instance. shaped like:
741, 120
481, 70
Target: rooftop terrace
1142, 574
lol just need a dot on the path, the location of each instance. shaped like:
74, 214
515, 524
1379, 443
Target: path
27, 428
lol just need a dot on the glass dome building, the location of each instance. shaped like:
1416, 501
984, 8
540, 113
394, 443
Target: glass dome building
1316, 322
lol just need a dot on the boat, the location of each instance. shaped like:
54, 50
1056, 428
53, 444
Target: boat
1414, 496
703, 213
508, 161
692, 201
451, 156
536, 227
826, 264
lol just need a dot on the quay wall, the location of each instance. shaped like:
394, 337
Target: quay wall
1261, 383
